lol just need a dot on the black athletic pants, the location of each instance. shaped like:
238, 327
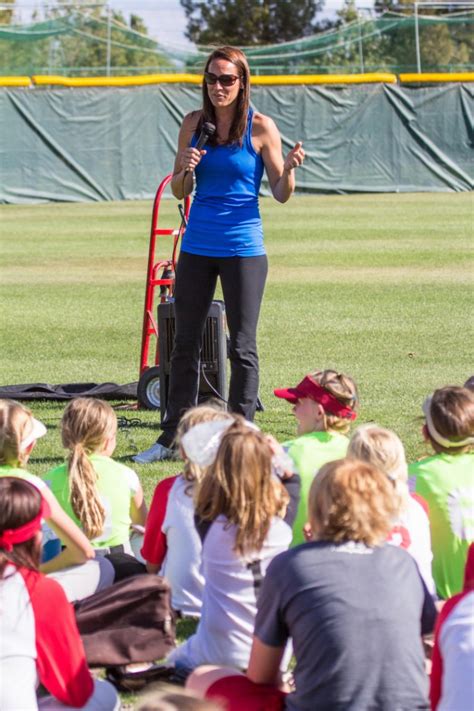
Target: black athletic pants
243, 282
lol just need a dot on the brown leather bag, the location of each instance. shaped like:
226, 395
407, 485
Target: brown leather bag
131, 621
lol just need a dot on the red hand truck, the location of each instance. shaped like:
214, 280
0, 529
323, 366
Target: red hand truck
160, 274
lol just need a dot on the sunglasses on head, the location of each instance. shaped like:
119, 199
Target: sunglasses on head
223, 79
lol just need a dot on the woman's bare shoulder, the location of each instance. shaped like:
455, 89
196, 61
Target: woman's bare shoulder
262, 124
191, 120
264, 131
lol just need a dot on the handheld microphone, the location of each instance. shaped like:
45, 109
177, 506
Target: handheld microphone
208, 129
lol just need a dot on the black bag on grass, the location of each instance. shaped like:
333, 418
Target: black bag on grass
125, 566
133, 681
131, 621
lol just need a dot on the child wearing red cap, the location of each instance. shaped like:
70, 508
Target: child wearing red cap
35, 648
324, 406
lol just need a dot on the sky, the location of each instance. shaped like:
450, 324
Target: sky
165, 19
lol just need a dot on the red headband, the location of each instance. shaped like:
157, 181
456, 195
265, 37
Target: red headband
12, 536
311, 389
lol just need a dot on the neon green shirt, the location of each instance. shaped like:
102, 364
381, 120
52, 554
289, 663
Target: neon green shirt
116, 483
309, 452
446, 482
7, 470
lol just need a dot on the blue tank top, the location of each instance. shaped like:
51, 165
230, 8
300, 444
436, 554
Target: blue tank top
224, 220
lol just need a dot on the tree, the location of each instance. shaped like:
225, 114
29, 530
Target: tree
6, 14
402, 7
348, 12
442, 44
249, 22
87, 47
354, 47
81, 47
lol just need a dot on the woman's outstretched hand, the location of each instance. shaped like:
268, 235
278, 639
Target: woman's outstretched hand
295, 157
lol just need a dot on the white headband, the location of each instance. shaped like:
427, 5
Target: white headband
201, 442
38, 430
448, 443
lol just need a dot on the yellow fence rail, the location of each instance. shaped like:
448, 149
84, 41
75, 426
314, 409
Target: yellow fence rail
15, 81
436, 78
281, 79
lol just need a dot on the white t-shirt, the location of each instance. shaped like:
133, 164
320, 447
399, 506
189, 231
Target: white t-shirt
412, 533
39, 643
18, 677
229, 606
182, 566
456, 643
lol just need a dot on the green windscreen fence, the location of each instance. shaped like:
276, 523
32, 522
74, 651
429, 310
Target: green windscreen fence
119, 143
85, 42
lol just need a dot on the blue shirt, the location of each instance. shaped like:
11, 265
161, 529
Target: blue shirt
224, 220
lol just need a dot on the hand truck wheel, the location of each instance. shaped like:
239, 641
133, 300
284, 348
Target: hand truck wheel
148, 391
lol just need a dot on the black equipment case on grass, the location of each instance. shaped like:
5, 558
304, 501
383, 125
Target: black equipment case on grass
213, 378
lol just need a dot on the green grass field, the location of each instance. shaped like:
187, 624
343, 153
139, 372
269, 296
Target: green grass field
379, 286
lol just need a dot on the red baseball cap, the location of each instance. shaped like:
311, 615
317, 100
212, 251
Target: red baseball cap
314, 391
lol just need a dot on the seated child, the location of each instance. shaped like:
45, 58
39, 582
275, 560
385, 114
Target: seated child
384, 450
354, 607
446, 481
324, 406
40, 641
241, 507
452, 679
74, 568
103, 497
171, 544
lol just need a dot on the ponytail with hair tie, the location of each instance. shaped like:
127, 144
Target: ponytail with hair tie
85, 428
84, 496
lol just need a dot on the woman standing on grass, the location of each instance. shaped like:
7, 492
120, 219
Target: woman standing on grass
224, 237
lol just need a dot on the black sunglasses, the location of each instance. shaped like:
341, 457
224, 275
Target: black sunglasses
223, 79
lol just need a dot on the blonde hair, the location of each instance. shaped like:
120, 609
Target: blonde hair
86, 425
350, 500
239, 486
452, 414
384, 450
15, 425
195, 416
344, 389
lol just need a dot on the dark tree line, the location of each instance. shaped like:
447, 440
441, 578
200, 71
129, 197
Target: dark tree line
249, 22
